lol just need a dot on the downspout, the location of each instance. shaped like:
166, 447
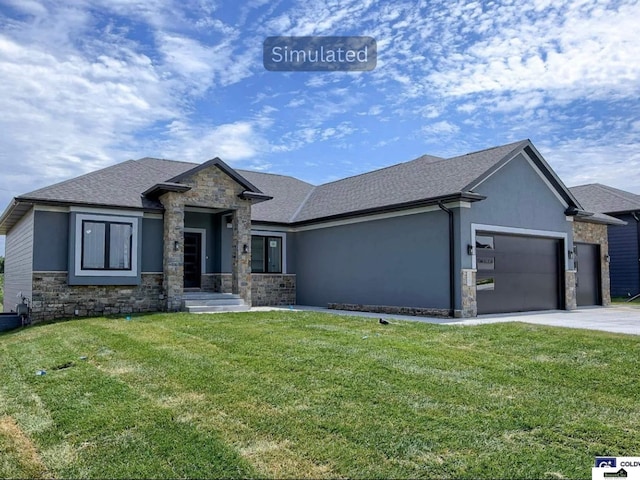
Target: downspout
637, 219
452, 270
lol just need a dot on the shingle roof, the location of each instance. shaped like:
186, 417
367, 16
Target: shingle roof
121, 185
596, 197
424, 179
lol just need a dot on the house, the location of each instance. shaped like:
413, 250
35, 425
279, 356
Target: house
490, 231
624, 240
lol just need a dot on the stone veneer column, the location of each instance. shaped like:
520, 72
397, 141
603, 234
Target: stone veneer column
469, 292
570, 299
241, 261
173, 257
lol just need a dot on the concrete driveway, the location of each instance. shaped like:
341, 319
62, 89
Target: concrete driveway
617, 319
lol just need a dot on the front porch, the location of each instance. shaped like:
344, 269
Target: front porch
208, 243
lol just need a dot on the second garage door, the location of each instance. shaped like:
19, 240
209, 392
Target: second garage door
518, 273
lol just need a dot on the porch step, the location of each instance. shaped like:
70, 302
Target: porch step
209, 302
218, 308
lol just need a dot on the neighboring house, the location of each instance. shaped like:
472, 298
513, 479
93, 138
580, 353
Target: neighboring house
624, 240
490, 231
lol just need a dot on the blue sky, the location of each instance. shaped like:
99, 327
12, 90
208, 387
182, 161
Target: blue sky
87, 83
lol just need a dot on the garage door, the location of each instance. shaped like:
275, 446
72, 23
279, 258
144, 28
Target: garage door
518, 273
587, 263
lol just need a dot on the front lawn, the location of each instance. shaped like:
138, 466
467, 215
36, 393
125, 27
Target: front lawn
300, 394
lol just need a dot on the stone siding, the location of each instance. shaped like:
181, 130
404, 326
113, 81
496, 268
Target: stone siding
415, 311
584, 232
273, 289
570, 299
469, 292
210, 188
53, 298
266, 288
216, 282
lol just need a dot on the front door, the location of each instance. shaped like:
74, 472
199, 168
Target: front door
192, 259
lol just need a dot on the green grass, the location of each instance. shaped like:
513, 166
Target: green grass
623, 301
294, 394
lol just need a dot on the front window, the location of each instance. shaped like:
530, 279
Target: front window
266, 254
106, 245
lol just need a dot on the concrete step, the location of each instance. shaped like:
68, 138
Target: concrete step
217, 308
204, 302
208, 296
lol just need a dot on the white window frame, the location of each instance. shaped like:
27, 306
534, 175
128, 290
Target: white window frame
283, 236
79, 272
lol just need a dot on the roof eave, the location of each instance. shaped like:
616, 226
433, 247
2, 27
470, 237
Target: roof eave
12, 214
161, 188
255, 197
593, 217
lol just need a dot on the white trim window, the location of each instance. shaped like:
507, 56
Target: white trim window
106, 246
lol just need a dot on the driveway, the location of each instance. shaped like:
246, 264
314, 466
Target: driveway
617, 319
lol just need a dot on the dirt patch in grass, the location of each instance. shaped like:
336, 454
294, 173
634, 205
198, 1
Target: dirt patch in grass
20, 456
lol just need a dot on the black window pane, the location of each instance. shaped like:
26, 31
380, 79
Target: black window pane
257, 254
274, 254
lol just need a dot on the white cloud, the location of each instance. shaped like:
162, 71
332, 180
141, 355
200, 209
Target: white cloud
440, 128
232, 142
579, 161
576, 51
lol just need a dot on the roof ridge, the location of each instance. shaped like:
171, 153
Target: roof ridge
302, 204
617, 192
384, 168
159, 170
274, 174
63, 182
490, 148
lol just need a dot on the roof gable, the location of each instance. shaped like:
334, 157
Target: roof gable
216, 162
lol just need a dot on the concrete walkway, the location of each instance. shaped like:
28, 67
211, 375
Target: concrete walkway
617, 319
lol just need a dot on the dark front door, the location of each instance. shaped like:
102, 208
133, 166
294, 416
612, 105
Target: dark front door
588, 274
192, 259
517, 273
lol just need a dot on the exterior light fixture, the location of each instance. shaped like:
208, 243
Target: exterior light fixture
607, 258
469, 249
176, 245
245, 248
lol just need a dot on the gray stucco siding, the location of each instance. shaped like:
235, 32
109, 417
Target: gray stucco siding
516, 197
399, 261
152, 232
50, 241
226, 239
18, 268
